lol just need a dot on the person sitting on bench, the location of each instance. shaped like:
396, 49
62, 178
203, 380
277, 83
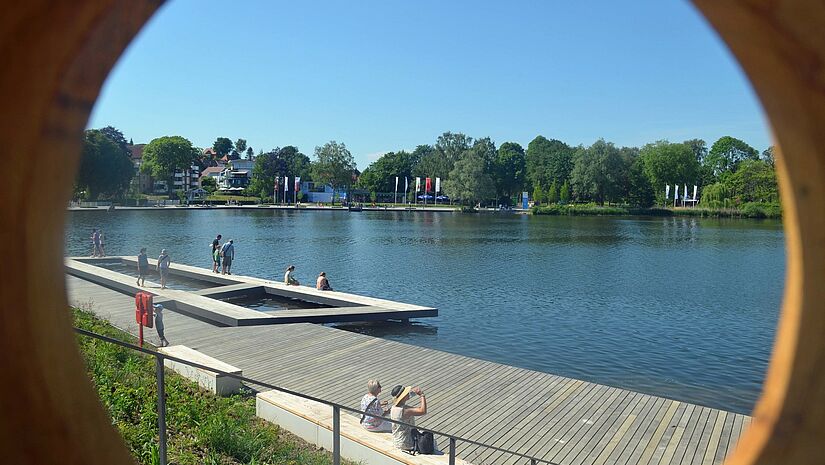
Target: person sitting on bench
401, 434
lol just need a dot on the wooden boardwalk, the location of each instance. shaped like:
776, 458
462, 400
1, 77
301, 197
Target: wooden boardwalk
563, 420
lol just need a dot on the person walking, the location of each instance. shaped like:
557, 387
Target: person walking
143, 267
228, 255
216, 258
159, 324
164, 262
102, 243
289, 278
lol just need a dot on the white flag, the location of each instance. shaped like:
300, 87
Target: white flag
685, 196
286, 183
406, 184
396, 184
417, 184
694, 192
667, 191
437, 185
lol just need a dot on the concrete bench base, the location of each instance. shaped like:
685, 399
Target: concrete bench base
217, 383
312, 421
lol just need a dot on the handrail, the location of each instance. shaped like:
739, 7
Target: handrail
335, 405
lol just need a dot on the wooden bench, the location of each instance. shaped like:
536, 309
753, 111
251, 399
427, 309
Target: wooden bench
219, 384
312, 421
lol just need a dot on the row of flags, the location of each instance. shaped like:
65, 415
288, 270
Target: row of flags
297, 185
428, 186
676, 192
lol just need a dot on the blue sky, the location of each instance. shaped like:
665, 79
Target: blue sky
389, 75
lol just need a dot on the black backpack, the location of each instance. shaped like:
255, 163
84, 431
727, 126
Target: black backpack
423, 442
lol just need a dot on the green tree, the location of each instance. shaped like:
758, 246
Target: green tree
668, 163
510, 169
116, 136
380, 175
539, 196
333, 165
105, 168
249, 153
222, 146
715, 195
468, 180
547, 160
726, 154
641, 193
240, 145
699, 148
564, 193
768, 156
209, 184
164, 155
553, 193
267, 166
597, 172
439, 161
753, 181
279, 162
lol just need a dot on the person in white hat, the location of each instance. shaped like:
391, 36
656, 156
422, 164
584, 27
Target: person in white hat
401, 436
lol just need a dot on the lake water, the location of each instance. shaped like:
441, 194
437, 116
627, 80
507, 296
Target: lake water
679, 307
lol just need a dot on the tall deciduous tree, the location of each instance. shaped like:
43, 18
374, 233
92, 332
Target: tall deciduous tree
669, 163
726, 154
597, 172
105, 168
164, 155
380, 175
641, 192
468, 180
222, 146
240, 145
699, 148
333, 165
116, 136
510, 169
548, 160
753, 181
249, 153
287, 161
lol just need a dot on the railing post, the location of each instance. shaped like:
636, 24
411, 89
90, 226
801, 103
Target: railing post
336, 435
452, 451
161, 408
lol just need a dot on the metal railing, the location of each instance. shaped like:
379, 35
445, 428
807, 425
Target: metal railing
336, 407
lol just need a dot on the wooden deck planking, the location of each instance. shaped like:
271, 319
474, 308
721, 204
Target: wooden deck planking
565, 420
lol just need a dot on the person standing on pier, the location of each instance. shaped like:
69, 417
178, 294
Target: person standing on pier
228, 255
143, 267
164, 262
102, 245
216, 258
288, 278
159, 324
95, 242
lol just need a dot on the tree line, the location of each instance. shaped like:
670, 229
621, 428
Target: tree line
729, 173
106, 169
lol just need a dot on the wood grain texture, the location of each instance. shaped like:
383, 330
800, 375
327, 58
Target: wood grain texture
55, 57
781, 46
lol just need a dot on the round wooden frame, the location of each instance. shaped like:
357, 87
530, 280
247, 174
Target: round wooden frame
56, 57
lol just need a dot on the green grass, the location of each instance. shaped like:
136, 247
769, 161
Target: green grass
202, 428
747, 210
